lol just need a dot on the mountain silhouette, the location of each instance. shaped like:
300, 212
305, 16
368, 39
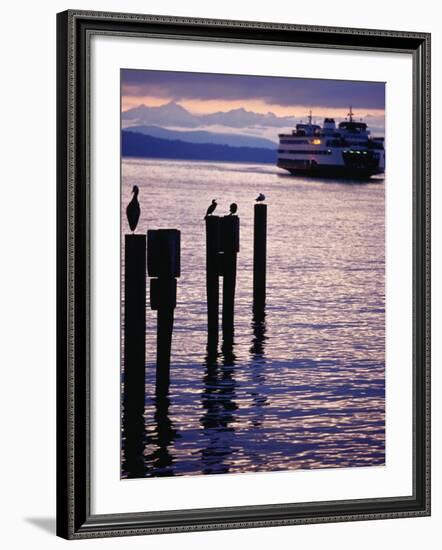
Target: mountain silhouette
175, 115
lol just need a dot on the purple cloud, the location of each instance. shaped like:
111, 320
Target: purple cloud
283, 91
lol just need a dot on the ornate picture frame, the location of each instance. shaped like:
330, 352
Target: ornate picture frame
75, 216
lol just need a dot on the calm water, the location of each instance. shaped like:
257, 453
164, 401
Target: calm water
305, 387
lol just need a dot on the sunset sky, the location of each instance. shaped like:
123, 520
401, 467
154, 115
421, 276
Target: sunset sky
203, 93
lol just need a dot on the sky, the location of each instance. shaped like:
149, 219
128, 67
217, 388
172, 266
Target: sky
203, 94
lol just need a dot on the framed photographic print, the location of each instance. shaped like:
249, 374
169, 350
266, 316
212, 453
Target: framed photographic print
243, 274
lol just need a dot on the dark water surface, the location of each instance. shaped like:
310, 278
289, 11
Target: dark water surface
302, 388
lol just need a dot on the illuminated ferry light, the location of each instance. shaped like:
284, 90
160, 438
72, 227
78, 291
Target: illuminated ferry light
316, 141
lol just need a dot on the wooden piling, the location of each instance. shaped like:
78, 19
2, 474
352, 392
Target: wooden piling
134, 321
212, 279
134, 351
164, 264
259, 258
229, 251
134, 437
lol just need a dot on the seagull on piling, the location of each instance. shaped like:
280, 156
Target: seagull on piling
233, 208
260, 198
211, 208
133, 210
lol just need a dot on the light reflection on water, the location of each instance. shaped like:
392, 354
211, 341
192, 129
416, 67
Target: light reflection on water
302, 387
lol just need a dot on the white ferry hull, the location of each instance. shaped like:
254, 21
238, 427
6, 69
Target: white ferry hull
312, 168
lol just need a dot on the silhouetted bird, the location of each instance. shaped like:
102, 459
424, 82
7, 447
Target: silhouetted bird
211, 208
233, 208
133, 210
260, 198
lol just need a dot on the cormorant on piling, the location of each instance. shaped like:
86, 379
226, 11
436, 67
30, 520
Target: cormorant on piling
233, 208
133, 210
260, 198
211, 208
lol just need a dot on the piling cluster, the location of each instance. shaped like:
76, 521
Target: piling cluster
222, 247
159, 251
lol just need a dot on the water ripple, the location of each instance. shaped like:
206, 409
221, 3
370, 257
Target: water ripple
302, 387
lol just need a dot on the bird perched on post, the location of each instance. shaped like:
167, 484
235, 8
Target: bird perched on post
211, 208
233, 208
133, 210
260, 198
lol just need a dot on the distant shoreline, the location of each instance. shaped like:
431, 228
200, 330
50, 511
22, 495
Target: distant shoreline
172, 159
144, 146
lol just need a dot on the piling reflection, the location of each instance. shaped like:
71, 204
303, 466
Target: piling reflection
259, 336
161, 439
258, 378
134, 438
218, 401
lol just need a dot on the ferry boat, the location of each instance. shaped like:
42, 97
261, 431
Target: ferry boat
347, 150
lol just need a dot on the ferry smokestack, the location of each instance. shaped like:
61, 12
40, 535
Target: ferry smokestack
329, 126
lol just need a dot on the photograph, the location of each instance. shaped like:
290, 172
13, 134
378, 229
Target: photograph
252, 273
